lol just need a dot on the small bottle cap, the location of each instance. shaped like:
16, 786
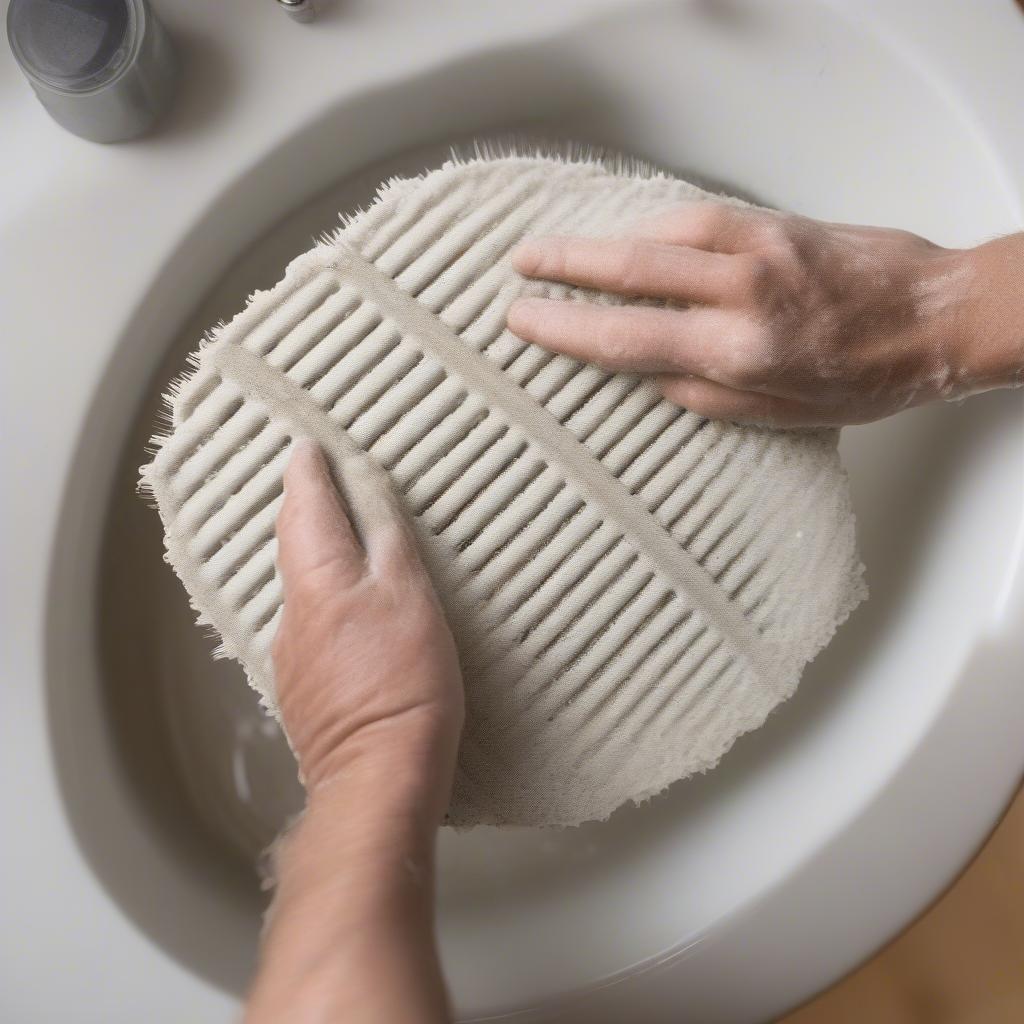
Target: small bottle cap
74, 46
102, 68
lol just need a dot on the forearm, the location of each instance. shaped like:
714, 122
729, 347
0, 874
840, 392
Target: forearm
350, 932
989, 332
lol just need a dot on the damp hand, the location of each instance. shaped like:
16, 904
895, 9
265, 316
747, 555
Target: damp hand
364, 661
775, 318
370, 693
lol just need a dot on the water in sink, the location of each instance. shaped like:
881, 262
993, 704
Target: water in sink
523, 912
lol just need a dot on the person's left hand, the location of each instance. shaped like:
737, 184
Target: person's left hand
365, 663
370, 693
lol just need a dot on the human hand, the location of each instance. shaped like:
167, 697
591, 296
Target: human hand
370, 692
772, 317
365, 663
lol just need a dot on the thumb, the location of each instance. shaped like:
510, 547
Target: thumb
313, 528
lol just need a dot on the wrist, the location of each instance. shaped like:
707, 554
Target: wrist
354, 877
358, 851
375, 801
987, 343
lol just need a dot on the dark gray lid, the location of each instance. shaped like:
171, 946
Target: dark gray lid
73, 45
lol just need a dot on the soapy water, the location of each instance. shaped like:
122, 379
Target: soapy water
241, 779
233, 760
242, 783
233, 757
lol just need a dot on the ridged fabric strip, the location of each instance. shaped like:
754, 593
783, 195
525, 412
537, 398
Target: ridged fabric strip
630, 585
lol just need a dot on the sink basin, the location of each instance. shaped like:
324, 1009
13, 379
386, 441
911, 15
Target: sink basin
820, 835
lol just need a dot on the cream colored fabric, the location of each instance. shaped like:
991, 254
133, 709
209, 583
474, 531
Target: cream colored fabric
632, 587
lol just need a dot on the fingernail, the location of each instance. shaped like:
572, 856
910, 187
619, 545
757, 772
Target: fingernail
523, 312
305, 454
306, 449
527, 247
528, 255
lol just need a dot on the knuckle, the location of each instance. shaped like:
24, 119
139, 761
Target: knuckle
694, 222
708, 217
676, 389
630, 265
752, 356
777, 233
554, 259
611, 341
757, 276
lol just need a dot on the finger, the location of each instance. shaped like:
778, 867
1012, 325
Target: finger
705, 224
628, 266
381, 518
313, 529
720, 402
639, 339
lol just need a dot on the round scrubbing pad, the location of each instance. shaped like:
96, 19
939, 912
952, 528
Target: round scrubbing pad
631, 585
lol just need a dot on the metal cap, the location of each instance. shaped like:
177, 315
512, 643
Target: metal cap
104, 69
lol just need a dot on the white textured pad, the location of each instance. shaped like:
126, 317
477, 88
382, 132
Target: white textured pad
631, 585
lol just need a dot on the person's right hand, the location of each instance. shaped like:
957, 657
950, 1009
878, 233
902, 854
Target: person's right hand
780, 319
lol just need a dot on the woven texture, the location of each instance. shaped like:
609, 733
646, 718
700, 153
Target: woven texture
631, 586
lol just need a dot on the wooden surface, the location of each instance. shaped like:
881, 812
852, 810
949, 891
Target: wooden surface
962, 963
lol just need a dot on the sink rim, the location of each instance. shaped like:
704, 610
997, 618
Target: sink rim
1012, 606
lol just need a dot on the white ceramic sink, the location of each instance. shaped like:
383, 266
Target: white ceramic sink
142, 777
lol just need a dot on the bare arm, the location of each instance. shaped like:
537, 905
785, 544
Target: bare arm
780, 319
370, 693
